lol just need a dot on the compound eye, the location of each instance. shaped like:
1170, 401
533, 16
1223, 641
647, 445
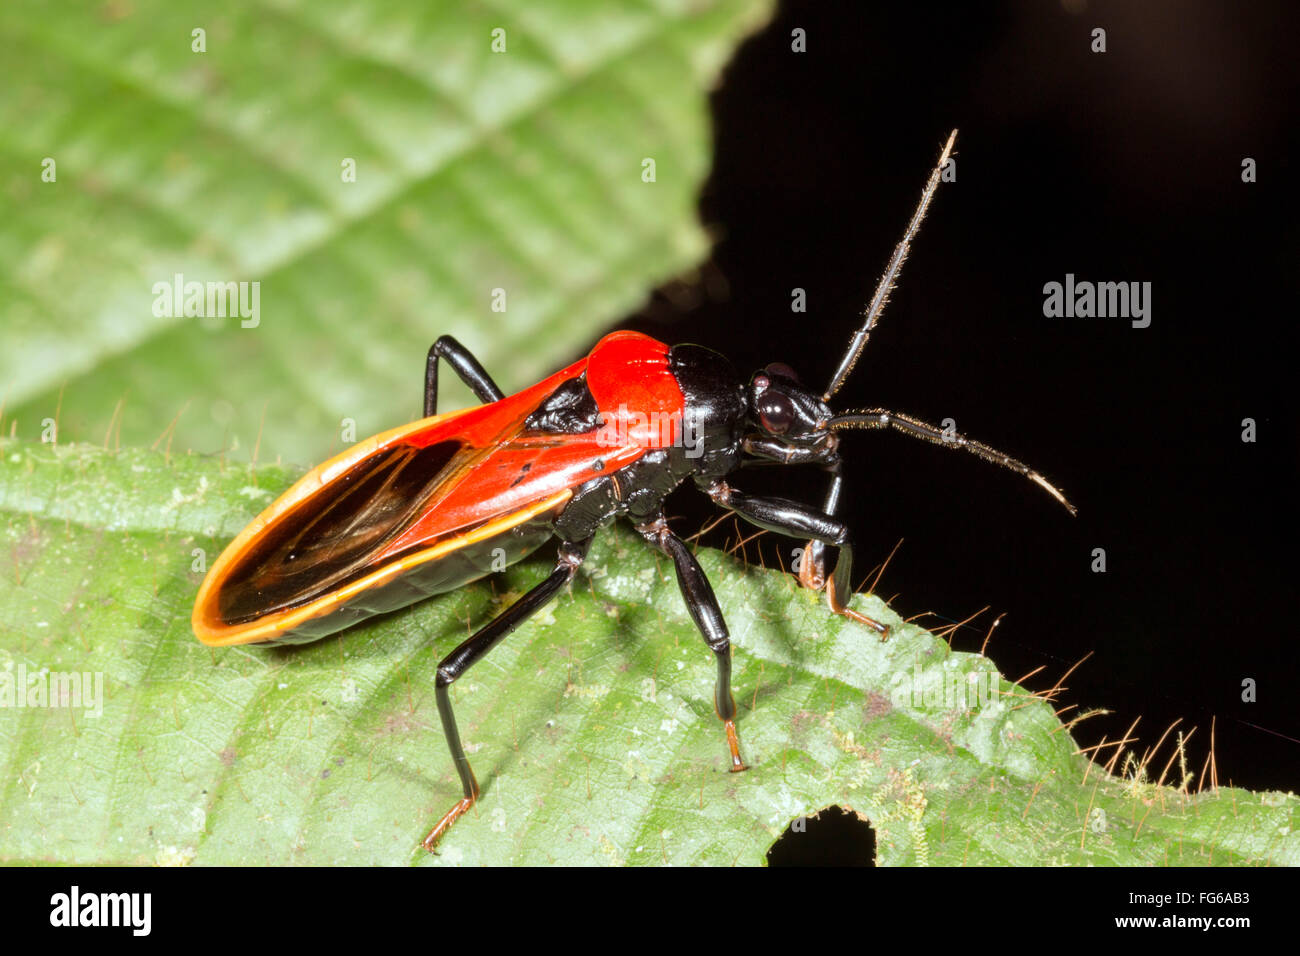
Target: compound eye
776, 413
781, 370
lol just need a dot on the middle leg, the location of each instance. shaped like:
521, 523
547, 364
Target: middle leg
703, 605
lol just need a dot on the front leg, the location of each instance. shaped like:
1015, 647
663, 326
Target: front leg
800, 521
703, 605
812, 566
770, 451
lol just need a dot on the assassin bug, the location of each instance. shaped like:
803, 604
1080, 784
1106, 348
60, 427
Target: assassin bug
427, 507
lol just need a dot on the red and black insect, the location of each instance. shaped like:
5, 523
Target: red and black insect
422, 509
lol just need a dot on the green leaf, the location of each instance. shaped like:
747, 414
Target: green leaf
475, 170
591, 728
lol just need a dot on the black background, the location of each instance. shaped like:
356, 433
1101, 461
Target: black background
1122, 166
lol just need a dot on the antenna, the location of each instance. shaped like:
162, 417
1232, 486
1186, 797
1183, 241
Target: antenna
886, 283
884, 418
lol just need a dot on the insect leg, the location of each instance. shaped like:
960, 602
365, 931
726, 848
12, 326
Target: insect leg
463, 657
812, 565
761, 450
700, 601
464, 364
800, 521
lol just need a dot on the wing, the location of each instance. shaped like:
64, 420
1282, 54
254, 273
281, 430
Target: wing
411, 496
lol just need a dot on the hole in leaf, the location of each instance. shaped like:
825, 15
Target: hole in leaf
834, 837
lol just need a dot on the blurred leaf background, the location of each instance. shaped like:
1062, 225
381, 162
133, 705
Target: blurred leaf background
475, 170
